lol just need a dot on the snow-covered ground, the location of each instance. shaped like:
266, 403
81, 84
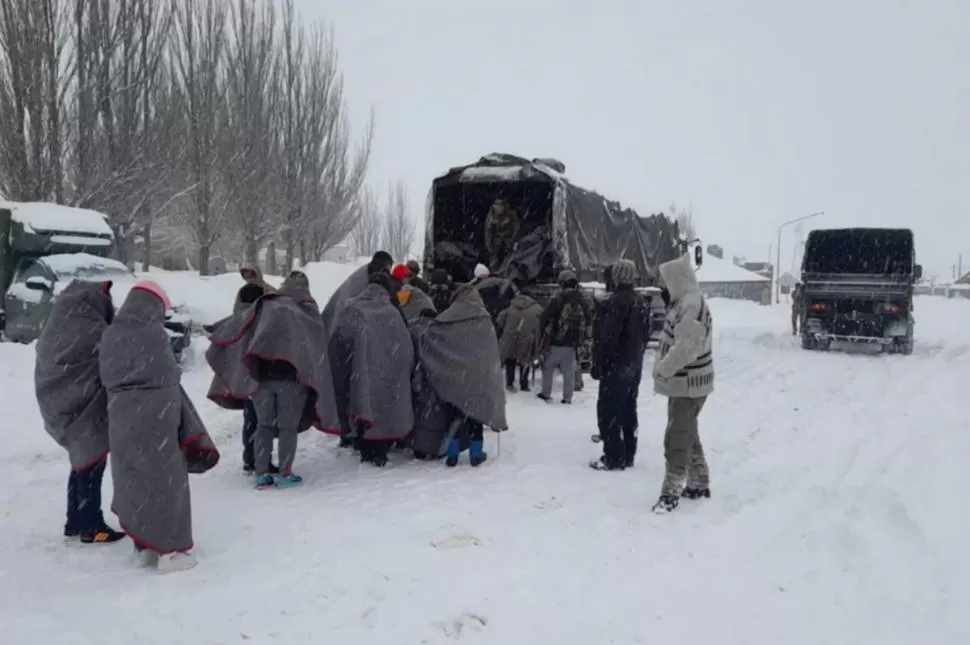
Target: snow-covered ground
838, 517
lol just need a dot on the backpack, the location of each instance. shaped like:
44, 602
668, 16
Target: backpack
570, 327
440, 296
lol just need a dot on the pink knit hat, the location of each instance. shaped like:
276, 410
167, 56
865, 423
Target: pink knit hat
153, 288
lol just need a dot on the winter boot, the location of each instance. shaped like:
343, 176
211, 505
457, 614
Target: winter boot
476, 453
606, 464
104, 535
665, 504
264, 481
696, 493
172, 562
453, 452
630, 461
70, 532
524, 387
288, 481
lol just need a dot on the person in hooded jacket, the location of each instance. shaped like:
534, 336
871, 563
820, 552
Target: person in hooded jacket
354, 285
496, 292
565, 321
253, 276
74, 404
619, 342
684, 373
416, 280
518, 329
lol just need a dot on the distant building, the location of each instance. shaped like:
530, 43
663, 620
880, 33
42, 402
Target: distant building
339, 253
764, 269
964, 280
715, 251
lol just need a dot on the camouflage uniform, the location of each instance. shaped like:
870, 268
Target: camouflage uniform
501, 232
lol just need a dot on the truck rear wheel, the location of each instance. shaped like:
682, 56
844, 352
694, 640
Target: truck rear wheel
809, 342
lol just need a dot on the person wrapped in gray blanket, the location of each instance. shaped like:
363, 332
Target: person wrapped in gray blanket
371, 358
275, 352
155, 433
458, 384
73, 402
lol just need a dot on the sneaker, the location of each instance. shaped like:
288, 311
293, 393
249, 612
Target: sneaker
249, 469
264, 481
524, 388
145, 559
104, 535
696, 493
565, 402
288, 481
665, 504
510, 389
70, 532
172, 562
544, 397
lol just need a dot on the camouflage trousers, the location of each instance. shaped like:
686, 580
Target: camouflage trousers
683, 450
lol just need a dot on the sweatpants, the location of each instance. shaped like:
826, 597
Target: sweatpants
796, 320
84, 499
279, 407
683, 451
563, 359
249, 433
616, 413
510, 366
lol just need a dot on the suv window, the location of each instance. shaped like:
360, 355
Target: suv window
29, 268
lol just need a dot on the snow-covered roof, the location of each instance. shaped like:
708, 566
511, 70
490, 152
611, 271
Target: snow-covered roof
80, 264
42, 217
715, 270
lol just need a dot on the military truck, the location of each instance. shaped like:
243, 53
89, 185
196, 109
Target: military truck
562, 226
858, 286
43, 247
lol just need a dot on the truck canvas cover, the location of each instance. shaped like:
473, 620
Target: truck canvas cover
564, 225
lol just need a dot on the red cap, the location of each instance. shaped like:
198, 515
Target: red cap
401, 273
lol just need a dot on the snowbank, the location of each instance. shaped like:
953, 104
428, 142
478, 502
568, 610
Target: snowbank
41, 216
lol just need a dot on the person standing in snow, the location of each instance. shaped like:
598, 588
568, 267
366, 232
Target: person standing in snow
518, 328
156, 435
565, 321
501, 232
797, 308
276, 353
74, 404
371, 357
684, 373
249, 294
496, 292
619, 341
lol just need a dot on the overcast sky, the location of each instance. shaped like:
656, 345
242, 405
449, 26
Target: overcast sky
754, 111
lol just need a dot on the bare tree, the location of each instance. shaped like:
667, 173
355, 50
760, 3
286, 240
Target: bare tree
368, 230
251, 82
35, 73
398, 226
198, 52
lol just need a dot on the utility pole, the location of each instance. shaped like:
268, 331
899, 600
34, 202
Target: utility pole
777, 271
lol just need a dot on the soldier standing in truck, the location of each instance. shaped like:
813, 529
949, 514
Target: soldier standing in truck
501, 232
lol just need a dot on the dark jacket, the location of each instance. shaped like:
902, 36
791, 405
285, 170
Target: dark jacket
550, 318
496, 293
621, 332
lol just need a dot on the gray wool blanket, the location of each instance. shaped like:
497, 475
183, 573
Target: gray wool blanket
431, 416
353, 286
156, 435
282, 326
417, 302
371, 357
458, 355
71, 398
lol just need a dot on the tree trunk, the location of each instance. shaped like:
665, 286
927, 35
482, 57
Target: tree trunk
252, 251
204, 252
147, 240
271, 259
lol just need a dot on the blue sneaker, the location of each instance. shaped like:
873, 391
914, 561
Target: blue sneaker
453, 452
288, 481
476, 453
264, 481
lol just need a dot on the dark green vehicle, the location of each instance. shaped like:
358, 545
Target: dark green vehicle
44, 247
858, 286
